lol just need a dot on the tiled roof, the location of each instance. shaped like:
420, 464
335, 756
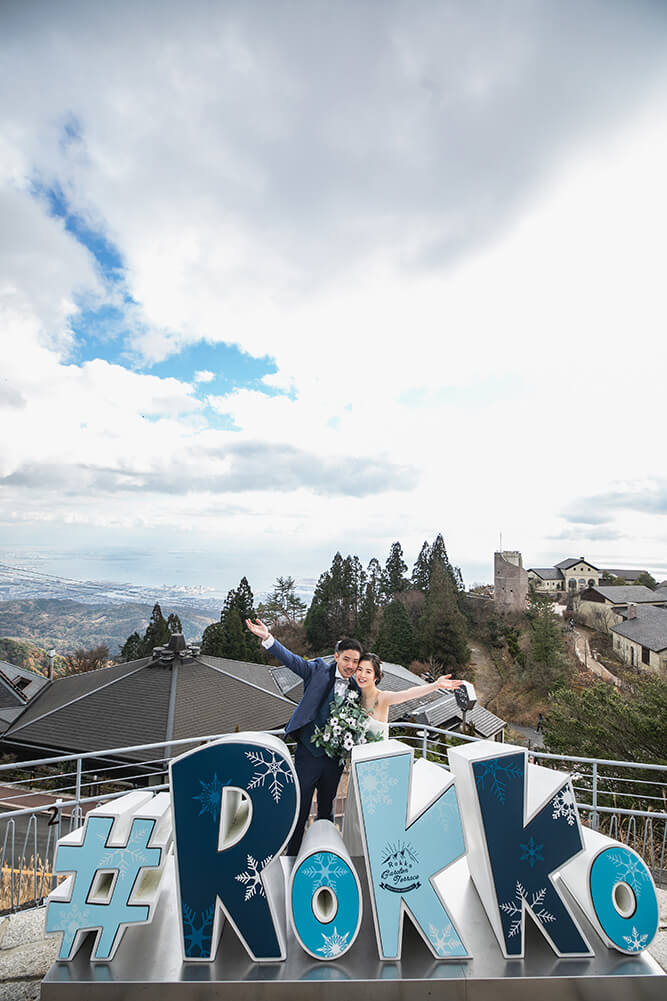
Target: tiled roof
633, 593
649, 628
547, 573
12, 678
142, 703
448, 711
569, 563
624, 574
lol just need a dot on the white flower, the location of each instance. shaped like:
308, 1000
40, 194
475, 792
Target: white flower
348, 743
353, 696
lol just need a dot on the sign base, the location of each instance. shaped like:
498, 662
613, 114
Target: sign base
148, 965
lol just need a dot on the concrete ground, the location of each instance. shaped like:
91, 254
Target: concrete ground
26, 953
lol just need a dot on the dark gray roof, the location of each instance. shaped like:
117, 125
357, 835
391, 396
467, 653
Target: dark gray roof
567, 564
446, 713
621, 595
289, 683
18, 684
142, 703
649, 628
624, 574
547, 573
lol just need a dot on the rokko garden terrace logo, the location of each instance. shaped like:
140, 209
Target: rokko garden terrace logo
233, 807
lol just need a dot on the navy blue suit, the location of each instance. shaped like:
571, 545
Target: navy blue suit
315, 770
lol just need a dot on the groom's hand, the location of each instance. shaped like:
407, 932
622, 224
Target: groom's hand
258, 628
444, 682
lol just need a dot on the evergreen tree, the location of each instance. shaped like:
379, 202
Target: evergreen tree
394, 571
442, 628
132, 648
421, 572
438, 554
547, 661
371, 601
336, 605
229, 637
157, 633
396, 639
235, 636
212, 641
282, 604
174, 624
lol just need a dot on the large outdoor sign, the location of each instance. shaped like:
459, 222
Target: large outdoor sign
234, 805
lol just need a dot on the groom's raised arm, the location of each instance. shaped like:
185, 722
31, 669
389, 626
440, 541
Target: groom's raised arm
302, 667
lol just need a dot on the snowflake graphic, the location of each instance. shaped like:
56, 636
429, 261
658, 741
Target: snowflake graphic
531, 853
444, 940
210, 796
499, 771
636, 942
277, 769
447, 811
325, 868
631, 870
514, 908
197, 930
333, 945
564, 806
252, 877
375, 784
127, 859
76, 918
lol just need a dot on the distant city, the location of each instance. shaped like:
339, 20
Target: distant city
21, 583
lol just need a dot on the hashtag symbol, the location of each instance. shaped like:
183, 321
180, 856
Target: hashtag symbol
102, 880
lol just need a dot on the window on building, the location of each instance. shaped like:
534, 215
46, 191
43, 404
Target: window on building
646, 655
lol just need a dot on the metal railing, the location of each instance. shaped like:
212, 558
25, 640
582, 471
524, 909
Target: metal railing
45, 798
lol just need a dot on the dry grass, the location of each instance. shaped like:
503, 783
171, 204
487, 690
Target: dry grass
30, 883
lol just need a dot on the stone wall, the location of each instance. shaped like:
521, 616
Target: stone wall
510, 582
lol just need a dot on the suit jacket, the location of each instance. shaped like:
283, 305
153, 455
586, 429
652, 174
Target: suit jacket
318, 681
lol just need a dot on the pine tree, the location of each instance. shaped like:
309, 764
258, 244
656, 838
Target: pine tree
394, 571
371, 601
442, 628
212, 641
438, 554
132, 648
283, 603
174, 624
157, 633
395, 640
547, 662
421, 572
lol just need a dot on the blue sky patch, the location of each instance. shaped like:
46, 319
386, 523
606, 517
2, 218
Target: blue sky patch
105, 330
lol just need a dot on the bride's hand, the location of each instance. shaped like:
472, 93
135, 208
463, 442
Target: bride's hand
258, 628
444, 682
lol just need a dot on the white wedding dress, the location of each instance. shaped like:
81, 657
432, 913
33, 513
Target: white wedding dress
375, 727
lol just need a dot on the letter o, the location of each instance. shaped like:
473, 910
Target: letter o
624, 898
325, 894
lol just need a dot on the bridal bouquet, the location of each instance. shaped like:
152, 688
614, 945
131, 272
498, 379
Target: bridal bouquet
347, 725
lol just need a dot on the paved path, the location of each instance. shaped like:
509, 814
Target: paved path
583, 651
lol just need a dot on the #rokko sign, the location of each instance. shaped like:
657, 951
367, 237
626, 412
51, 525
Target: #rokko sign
233, 807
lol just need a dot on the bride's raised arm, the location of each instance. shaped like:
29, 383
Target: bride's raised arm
443, 683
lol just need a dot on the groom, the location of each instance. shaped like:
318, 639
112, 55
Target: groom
321, 682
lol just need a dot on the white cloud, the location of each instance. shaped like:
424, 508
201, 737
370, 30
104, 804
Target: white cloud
454, 259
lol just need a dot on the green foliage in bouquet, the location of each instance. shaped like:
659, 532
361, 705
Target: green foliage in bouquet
347, 726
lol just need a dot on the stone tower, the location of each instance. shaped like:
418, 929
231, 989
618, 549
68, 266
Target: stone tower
510, 581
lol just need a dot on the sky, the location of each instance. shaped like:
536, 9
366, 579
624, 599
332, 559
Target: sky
284, 279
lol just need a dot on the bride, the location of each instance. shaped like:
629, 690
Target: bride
376, 703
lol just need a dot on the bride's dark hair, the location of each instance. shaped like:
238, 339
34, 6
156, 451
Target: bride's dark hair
373, 659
